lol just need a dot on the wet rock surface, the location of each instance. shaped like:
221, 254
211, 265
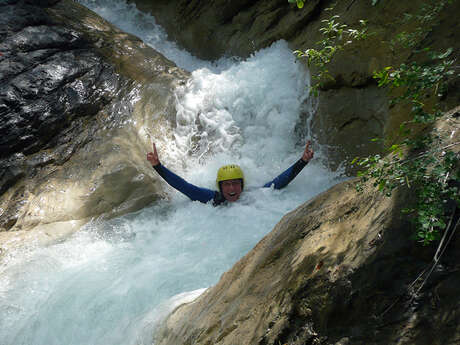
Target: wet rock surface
47, 75
217, 28
351, 109
75, 95
340, 269
77, 98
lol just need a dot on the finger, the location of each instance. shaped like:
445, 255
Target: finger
155, 150
307, 147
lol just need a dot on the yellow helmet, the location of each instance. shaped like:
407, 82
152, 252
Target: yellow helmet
229, 172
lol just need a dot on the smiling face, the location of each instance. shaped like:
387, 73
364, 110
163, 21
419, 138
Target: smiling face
231, 189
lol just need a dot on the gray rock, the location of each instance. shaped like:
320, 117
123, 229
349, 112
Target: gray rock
339, 269
211, 29
75, 94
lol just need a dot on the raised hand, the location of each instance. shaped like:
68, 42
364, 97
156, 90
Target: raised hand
308, 153
152, 157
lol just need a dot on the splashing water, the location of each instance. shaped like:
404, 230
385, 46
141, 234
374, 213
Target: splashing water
129, 19
112, 281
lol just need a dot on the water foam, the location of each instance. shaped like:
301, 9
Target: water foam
129, 19
111, 282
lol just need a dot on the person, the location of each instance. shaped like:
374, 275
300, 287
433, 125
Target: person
229, 181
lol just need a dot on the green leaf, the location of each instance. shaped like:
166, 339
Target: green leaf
445, 54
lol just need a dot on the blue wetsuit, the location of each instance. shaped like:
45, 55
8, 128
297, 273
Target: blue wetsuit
205, 195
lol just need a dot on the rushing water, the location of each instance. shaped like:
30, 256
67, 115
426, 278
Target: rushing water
111, 282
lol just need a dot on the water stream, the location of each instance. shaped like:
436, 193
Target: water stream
112, 281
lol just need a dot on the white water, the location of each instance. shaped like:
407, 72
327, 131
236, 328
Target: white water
111, 282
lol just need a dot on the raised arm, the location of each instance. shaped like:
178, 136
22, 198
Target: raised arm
193, 192
152, 157
289, 174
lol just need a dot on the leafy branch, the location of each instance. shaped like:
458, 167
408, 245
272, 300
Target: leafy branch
427, 18
429, 174
336, 37
432, 169
419, 81
432, 174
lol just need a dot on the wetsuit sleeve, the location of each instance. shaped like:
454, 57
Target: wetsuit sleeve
287, 176
193, 192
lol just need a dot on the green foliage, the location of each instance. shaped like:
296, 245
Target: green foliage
426, 19
429, 172
419, 81
300, 3
419, 162
336, 37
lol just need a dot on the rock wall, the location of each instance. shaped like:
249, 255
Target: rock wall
79, 104
351, 109
340, 269
80, 101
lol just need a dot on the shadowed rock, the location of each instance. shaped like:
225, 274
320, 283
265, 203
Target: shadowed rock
351, 109
340, 269
79, 100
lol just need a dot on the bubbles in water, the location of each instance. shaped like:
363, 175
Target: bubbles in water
129, 19
113, 280
249, 109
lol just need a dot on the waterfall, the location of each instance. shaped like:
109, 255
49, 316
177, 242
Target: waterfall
112, 281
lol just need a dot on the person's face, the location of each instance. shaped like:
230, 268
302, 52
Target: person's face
231, 189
